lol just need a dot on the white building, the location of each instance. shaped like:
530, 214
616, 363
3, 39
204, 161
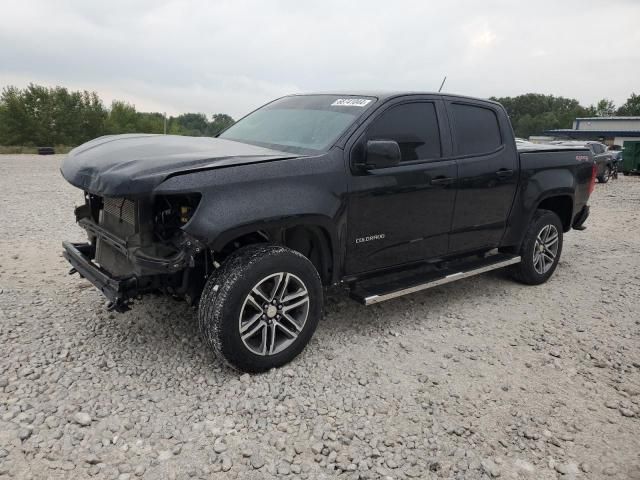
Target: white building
609, 130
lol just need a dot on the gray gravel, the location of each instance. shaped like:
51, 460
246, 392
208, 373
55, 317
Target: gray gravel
483, 378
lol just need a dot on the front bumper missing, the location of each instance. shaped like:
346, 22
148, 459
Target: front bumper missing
117, 290
147, 272
146, 264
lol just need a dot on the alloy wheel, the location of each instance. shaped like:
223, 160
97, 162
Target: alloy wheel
274, 313
545, 249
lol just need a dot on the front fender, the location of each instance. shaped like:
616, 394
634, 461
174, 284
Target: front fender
245, 198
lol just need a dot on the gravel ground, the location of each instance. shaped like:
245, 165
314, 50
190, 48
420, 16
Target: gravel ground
478, 379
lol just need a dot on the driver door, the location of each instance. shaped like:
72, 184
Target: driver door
402, 214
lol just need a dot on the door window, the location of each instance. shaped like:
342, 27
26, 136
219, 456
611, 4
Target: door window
476, 128
414, 126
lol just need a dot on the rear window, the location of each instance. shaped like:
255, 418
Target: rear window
476, 128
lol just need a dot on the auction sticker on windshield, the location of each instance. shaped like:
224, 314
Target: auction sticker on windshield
351, 102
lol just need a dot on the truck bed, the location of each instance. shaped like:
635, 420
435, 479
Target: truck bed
541, 147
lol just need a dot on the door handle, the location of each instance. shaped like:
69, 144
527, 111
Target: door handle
442, 180
504, 173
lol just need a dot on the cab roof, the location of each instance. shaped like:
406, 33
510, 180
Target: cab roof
389, 94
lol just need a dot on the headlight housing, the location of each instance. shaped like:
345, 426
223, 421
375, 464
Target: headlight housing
172, 212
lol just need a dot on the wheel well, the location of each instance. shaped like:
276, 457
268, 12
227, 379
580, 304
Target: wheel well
562, 206
310, 240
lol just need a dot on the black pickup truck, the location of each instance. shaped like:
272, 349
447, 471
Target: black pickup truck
386, 194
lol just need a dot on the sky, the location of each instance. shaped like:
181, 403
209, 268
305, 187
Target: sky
232, 56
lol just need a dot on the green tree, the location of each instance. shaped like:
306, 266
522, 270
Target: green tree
174, 127
15, 123
67, 116
122, 118
149, 122
49, 116
41, 109
605, 108
533, 113
219, 122
631, 107
94, 117
43, 116
194, 124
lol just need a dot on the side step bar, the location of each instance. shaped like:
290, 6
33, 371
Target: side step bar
387, 287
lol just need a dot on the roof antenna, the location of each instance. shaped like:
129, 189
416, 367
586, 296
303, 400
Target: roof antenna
442, 84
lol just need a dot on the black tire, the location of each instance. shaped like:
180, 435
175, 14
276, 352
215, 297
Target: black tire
606, 175
226, 295
526, 271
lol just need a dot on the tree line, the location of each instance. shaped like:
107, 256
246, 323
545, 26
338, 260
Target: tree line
533, 113
43, 116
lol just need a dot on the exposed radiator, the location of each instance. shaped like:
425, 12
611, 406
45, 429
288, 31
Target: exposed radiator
119, 217
121, 208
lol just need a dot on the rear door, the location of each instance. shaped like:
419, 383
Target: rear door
401, 214
487, 173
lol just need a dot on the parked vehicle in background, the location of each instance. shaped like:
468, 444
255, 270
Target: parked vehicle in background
46, 151
385, 194
521, 142
605, 159
616, 152
631, 158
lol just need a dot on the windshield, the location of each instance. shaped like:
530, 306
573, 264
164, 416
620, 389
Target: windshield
299, 124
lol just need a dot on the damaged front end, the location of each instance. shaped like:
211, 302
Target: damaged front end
136, 246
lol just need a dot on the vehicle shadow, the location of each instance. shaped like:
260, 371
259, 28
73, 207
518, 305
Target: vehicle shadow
341, 310
161, 329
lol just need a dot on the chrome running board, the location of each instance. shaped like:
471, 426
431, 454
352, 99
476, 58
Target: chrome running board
395, 285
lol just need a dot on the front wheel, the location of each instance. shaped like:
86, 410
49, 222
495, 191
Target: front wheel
540, 250
262, 307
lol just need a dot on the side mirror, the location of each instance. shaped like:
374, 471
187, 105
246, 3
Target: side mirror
382, 154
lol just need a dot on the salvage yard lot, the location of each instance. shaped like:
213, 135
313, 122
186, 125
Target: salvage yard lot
480, 378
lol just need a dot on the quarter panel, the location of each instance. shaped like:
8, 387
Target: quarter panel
544, 175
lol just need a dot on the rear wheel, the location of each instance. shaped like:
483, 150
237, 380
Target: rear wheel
540, 250
262, 308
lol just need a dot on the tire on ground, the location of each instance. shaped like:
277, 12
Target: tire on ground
525, 271
224, 296
604, 178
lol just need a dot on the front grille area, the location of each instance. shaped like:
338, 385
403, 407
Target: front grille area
121, 208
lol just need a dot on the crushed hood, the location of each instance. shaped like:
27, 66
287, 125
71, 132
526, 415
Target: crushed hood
134, 164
